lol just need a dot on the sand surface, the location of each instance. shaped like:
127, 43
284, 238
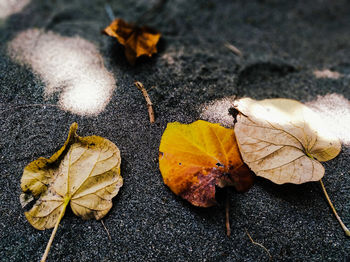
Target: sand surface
282, 44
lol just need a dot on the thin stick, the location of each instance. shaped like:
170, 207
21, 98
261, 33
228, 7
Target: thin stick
139, 85
109, 12
228, 228
346, 230
43, 259
234, 49
258, 244
109, 235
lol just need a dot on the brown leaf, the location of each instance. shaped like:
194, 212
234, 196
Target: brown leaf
138, 41
283, 140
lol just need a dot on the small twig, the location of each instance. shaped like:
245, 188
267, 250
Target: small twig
29, 105
109, 12
234, 49
258, 244
109, 235
228, 227
346, 230
139, 85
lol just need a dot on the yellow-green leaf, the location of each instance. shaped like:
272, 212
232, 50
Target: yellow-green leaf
84, 172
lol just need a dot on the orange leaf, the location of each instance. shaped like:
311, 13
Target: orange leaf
137, 41
195, 158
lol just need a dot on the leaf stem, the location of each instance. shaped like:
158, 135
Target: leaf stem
109, 235
258, 244
346, 230
43, 259
227, 215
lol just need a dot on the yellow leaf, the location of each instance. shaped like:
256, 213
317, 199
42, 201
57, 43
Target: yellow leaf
85, 172
195, 158
283, 140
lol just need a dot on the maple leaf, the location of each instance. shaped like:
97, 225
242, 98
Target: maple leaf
85, 172
138, 41
197, 157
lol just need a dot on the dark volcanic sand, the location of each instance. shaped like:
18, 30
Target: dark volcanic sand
282, 44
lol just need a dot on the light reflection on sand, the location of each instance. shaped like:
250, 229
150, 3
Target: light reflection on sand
334, 110
71, 66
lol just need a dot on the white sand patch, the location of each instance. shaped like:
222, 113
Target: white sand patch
71, 66
335, 111
218, 111
9, 7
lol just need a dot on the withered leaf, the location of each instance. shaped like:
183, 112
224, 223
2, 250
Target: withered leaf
283, 140
138, 41
85, 172
197, 157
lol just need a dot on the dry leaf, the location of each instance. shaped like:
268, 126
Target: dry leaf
195, 158
137, 41
283, 140
84, 172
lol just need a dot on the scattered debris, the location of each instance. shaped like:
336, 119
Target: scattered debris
326, 73
234, 49
258, 244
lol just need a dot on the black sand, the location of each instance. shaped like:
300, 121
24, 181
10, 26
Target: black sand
282, 44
